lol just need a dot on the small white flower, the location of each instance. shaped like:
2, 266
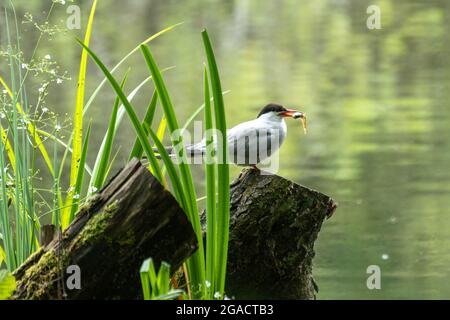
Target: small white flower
217, 295
57, 127
92, 189
41, 89
226, 298
59, 81
44, 109
384, 256
47, 56
24, 65
76, 196
5, 91
53, 71
208, 284
2, 115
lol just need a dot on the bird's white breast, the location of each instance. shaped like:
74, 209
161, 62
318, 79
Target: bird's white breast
254, 141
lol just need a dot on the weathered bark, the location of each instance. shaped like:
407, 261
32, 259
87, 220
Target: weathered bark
131, 219
273, 225
48, 233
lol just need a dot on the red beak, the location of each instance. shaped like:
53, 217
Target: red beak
292, 113
295, 114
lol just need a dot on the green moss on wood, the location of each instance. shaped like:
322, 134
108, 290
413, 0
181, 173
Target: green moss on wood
40, 277
95, 228
128, 239
89, 205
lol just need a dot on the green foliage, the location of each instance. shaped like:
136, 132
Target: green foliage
78, 125
19, 213
222, 218
131, 113
80, 177
210, 169
196, 264
180, 174
156, 285
137, 151
22, 204
99, 174
7, 284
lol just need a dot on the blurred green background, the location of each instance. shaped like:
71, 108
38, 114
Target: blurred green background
377, 104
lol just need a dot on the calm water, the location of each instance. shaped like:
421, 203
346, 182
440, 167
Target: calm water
377, 102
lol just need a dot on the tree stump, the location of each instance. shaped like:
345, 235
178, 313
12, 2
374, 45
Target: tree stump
274, 223
131, 219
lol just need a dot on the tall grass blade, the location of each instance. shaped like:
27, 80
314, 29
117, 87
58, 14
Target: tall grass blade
7, 237
171, 170
32, 130
160, 134
100, 175
78, 115
136, 151
120, 115
131, 113
210, 172
196, 264
99, 87
79, 183
2, 253
9, 149
223, 175
19, 217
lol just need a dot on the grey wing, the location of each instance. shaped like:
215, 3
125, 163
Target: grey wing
192, 150
243, 144
250, 143
197, 149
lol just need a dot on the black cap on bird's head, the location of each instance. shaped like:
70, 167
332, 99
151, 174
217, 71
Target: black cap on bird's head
281, 111
272, 107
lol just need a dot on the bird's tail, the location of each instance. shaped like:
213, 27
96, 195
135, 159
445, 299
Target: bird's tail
158, 155
191, 152
168, 149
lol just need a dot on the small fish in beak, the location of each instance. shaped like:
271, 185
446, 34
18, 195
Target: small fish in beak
303, 120
296, 115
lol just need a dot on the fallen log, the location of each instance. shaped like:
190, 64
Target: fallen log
274, 223
131, 219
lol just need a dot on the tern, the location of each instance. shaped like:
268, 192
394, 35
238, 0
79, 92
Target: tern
251, 142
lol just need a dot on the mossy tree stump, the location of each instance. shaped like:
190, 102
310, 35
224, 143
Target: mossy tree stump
131, 219
274, 223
